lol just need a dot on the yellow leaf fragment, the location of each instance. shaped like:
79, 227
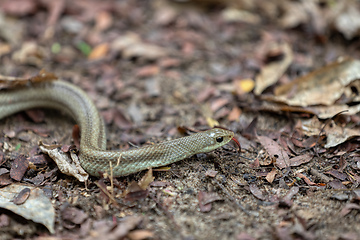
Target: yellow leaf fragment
99, 52
244, 85
212, 122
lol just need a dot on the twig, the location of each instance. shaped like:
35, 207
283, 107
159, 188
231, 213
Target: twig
106, 192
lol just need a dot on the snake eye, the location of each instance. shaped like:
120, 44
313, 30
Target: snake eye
219, 139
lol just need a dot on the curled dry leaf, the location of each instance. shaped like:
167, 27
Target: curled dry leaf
68, 165
146, 180
205, 200
335, 134
322, 86
271, 175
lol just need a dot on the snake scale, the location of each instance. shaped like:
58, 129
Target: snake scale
94, 157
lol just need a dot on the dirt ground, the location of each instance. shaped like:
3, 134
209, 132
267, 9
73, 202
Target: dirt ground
152, 66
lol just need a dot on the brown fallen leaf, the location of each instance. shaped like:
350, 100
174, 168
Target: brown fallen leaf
211, 173
19, 8
113, 230
147, 71
19, 167
276, 151
74, 215
146, 180
254, 189
100, 51
336, 184
335, 173
322, 86
234, 114
348, 208
75, 136
136, 191
140, 234
5, 179
291, 193
103, 21
11, 82
218, 103
36, 115
116, 116
298, 160
244, 236
169, 62
271, 175
22, 196
205, 200
334, 133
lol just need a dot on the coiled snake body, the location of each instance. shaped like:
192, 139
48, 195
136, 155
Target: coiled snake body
94, 157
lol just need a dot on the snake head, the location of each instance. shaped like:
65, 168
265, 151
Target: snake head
217, 137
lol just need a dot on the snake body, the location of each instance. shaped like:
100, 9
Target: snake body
94, 157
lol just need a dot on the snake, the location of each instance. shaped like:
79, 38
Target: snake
93, 156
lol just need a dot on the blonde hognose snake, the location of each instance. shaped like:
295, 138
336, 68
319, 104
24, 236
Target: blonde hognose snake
94, 157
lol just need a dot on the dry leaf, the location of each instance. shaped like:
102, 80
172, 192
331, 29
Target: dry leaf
146, 180
271, 73
234, 115
276, 151
271, 175
348, 22
298, 160
323, 86
66, 164
244, 86
99, 52
22, 196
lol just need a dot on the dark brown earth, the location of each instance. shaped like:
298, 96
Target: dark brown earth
181, 69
